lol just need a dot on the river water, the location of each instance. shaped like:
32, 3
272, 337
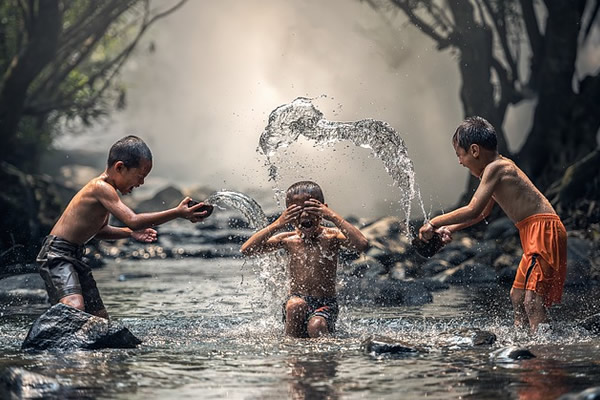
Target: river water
210, 330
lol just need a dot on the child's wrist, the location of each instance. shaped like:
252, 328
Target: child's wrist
432, 225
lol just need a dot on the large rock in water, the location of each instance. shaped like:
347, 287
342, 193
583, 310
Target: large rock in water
64, 327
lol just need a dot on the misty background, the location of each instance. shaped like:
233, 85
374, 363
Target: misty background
203, 82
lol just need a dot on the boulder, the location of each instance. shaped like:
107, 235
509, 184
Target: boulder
501, 228
163, 199
468, 272
63, 327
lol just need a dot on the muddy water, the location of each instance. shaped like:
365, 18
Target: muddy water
211, 331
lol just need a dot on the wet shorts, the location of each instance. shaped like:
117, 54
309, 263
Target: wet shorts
325, 307
65, 273
543, 267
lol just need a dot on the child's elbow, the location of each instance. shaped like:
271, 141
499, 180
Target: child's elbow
362, 245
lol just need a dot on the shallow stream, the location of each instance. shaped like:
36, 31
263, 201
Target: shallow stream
210, 331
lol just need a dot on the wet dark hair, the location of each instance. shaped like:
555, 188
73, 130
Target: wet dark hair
303, 187
475, 130
131, 150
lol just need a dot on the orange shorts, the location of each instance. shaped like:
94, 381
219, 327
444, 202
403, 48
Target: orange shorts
543, 267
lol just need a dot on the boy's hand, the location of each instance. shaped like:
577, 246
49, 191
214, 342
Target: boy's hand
289, 215
147, 235
193, 213
315, 207
445, 233
426, 232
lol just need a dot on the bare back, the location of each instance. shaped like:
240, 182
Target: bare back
514, 192
84, 215
313, 263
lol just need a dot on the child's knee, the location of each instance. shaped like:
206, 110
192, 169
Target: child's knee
517, 296
74, 300
296, 305
317, 326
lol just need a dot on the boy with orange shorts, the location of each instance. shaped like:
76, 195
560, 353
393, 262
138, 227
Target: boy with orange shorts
541, 274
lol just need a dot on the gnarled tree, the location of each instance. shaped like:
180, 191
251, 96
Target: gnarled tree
59, 59
488, 37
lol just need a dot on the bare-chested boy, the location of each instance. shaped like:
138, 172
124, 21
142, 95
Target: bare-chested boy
68, 279
542, 270
311, 308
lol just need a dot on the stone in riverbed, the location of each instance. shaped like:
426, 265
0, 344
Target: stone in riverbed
591, 323
592, 393
380, 346
511, 353
64, 327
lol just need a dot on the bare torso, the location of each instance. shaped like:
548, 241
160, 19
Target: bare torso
516, 194
84, 215
313, 263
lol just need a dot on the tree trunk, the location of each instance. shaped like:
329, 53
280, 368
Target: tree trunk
37, 54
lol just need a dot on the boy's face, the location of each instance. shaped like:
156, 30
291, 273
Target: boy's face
468, 158
307, 223
130, 178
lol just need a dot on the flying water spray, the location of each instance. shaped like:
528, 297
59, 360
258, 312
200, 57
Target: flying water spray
301, 118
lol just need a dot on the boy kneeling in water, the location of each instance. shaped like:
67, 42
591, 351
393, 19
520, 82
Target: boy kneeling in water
311, 308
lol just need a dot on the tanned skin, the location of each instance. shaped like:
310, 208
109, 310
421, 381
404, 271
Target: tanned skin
86, 215
313, 250
504, 183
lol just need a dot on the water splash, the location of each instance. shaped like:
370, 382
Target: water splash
245, 204
301, 118
270, 267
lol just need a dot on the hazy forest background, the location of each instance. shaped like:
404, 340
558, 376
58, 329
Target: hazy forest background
61, 65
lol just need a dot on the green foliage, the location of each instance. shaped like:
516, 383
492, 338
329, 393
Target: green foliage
79, 80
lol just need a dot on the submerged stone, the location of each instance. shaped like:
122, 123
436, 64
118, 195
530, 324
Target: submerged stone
591, 323
379, 346
64, 327
508, 354
18, 383
592, 393
467, 337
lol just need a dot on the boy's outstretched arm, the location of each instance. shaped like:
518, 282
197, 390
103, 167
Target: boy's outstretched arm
109, 198
481, 202
109, 232
351, 236
263, 240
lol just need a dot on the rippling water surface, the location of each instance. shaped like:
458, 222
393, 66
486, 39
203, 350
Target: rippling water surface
211, 331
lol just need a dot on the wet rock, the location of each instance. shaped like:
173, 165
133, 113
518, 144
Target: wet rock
453, 257
467, 337
24, 288
385, 346
579, 265
591, 323
18, 383
435, 266
129, 277
63, 327
501, 228
509, 354
592, 393
163, 199
468, 272
18, 269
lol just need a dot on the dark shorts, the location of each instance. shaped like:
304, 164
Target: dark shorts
66, 274
325, 307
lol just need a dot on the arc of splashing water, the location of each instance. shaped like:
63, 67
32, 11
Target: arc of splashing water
289, 121
249, 207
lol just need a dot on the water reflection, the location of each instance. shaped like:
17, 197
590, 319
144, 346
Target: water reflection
541, 379
313, 379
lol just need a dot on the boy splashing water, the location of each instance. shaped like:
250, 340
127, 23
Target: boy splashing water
541, 274
311, 308
68, 279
